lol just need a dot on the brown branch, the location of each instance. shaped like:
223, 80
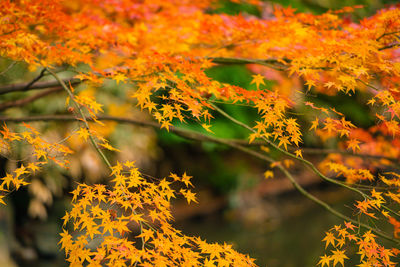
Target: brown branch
48, 84
386, 34
29, 84
38, 85
73, 118
279, 65
24, 101
183, 133
201, 137
389, 46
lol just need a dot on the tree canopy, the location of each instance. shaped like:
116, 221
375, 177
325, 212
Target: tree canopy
95, 63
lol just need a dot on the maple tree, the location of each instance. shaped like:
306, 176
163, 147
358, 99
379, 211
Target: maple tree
159, 51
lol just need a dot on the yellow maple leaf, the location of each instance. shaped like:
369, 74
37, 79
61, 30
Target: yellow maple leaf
324, 260
353, 144
298, 153
83, 133
119, 78
338, 257
258, 79
268, 174
190, 196
329, 239
207, 127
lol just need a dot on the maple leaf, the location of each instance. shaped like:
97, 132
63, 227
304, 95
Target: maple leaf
188, 195
329, 239
353, 144
350, 226
119, 78
315, 124
83, 133
298, 153
207, 127
324, 261
164, 184
369, 236
268, 174
209, 263
338, 257
165, 59
34, 167
253, 136
66, 240
146, 234
284, 140
258, 79
186, 180
329, 84
310, 83
19, 171
7, 180
109, 147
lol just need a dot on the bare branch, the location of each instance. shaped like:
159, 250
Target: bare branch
37, 85
279, 65
24, 101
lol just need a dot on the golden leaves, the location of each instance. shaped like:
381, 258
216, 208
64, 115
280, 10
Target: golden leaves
161, 62
369, 250
40, 149
112, 212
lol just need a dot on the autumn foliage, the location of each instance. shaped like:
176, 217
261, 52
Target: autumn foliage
156, 53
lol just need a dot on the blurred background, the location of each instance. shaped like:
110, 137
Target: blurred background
266, 219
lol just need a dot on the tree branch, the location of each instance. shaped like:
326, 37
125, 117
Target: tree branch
310, 196
20, 87
386, 34
265, 62
8, 68
202, 137
24, 101
241, 142
389, 46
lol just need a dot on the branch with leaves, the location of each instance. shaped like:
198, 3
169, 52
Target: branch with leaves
143, 59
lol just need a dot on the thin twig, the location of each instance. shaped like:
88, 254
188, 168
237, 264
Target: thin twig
83, 117
41, 74
8, 68
310, 196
